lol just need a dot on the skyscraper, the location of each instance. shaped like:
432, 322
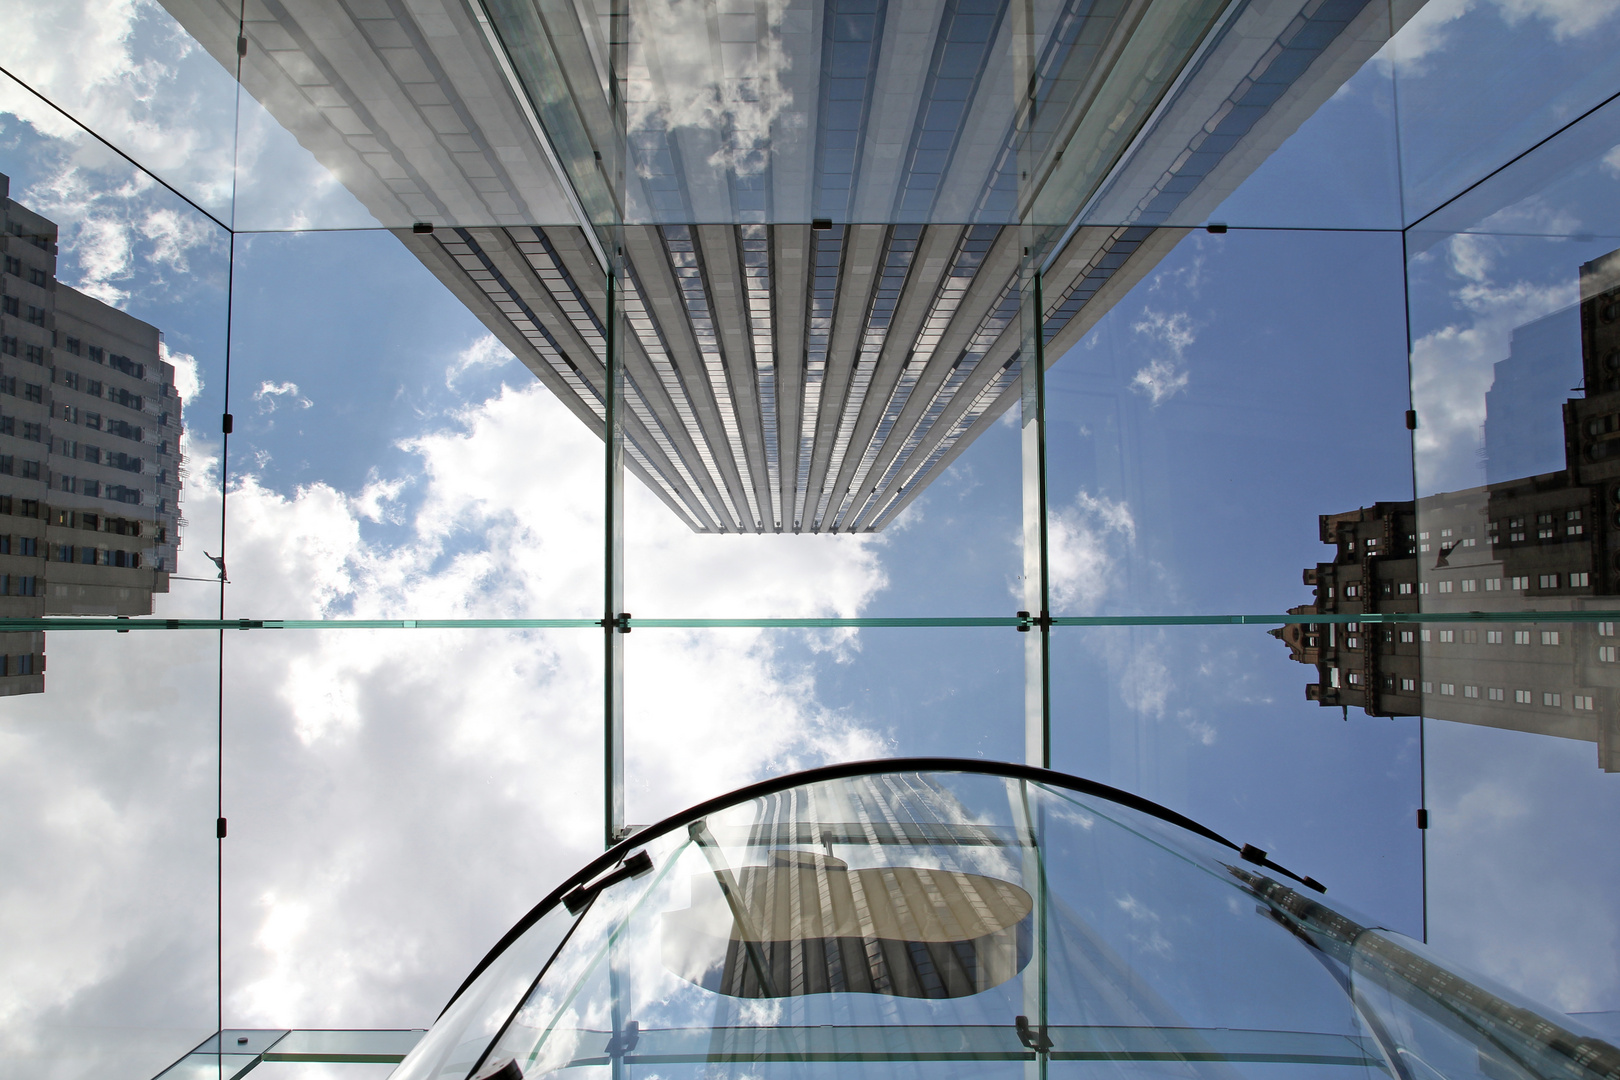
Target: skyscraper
820, 230
90, 465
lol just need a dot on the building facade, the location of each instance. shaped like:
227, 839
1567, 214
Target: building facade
1547, 543
90, 463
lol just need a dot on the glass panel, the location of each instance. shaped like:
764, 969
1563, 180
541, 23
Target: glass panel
392, 459
1338, 168
131, 75
875, 411
1524, 723
112, 317
368, 729
1185, 429
1243, 92
1482, 84
346, 1044
324, 1070
464, 1030
1513, 385
709, 710
109, 770
212, 1066
1204, 719
395, 117
113, 355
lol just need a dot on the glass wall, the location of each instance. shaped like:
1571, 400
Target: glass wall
433, 446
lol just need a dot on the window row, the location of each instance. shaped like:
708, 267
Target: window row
34, 354
22, 664
19, 585
1552, 699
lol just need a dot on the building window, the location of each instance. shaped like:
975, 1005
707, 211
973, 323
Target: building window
91, 488
1445, 534
10, 305
1408, 636
1548, 581
1605, 629
1582, 702
1521, 637
1423, 588
36, 315
1493, 584
28, 546
1549, 698
69, 484
1572, 515
72, 345
1352, 590
1448, 636
1445, 586
1470, 585
1519, 583
1574, 530
1495, 693
1448, 689
1471, 691
64, 552
34, 392
1580, 581
1606, 653
1355, 678
1426, 634
1409, 685
30, 470
1549, 637
1521, 697
1352, 643
1470, 637
1405, 588
13, 266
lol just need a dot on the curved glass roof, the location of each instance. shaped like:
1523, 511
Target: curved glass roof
945, 918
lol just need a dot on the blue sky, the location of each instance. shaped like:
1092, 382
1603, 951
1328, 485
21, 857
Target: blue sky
391, 459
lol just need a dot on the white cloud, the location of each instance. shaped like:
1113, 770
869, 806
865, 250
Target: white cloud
485, 352
1159, 380
1427, 32
1162, 377
1086, 544
270, 395
732, 88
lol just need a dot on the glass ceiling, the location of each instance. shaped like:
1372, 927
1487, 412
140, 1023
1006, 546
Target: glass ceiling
437, 440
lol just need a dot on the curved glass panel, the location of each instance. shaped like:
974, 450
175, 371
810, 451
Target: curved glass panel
958, 924
463, 1032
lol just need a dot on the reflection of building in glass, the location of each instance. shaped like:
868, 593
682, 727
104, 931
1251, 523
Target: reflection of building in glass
1532, 384
845, 320
89, 451
1544, 543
